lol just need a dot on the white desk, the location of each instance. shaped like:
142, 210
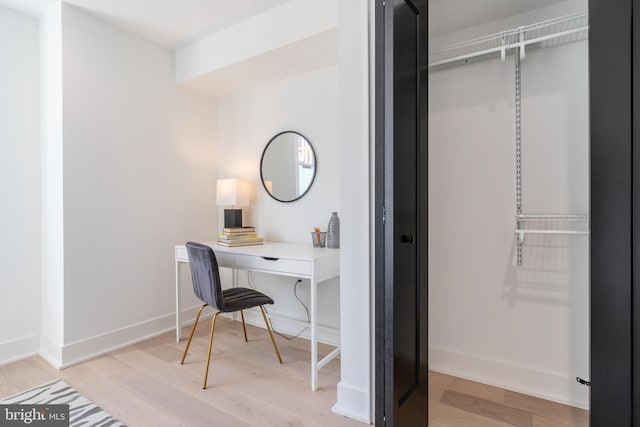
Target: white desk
285, 259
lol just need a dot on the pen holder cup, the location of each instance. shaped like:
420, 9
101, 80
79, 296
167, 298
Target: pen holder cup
319, 239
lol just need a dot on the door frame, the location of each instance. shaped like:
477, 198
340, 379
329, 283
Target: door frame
615, 189
380, 380
383, 207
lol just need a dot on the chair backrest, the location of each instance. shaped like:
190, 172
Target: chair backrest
205, 274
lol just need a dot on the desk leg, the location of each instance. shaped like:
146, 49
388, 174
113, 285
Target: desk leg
234, 284
314, 342
178, 304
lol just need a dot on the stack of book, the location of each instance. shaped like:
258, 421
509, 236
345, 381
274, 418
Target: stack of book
239, 236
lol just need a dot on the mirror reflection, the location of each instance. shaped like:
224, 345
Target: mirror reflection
288, 166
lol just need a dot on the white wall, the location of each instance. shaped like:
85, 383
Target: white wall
139, 177
52, 332
525, 328
247, 120
20, 185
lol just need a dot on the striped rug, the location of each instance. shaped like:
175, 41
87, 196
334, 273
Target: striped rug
82, 412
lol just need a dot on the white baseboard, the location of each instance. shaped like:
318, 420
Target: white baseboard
555, 386
291, 327
353, 402
70, 354
90, 348
19, 349
98, 345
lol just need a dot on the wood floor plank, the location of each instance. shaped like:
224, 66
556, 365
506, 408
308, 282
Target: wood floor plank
539, 421
487, 408
303, 403
441, 415
96, 381
19, 376
257, 357
484, 391
559, 413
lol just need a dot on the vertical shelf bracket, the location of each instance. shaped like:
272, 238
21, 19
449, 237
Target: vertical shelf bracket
503, 46
518, 112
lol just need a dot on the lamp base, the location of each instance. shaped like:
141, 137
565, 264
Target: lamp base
232, 218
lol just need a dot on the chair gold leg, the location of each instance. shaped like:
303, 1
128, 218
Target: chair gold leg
244, 328
206, 372
186, 350
266, 322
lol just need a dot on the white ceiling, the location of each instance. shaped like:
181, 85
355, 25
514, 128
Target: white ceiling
170, 23
28, 7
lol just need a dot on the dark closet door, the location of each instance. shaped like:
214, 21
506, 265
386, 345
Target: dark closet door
614, 241
401, 202
635, 148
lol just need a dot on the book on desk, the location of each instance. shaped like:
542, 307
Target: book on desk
239, 236
239, 230
234, 244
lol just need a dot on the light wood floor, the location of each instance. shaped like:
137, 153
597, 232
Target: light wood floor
145, 385
457, 402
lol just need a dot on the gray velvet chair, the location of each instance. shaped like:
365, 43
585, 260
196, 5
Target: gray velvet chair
207, 287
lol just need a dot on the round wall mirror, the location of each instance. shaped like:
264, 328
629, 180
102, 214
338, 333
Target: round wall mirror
288, 166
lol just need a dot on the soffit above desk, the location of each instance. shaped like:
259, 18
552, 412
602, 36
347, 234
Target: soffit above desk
295, 38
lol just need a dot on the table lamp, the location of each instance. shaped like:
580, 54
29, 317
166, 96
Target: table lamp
232, 192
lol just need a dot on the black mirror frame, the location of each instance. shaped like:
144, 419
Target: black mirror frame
315, 171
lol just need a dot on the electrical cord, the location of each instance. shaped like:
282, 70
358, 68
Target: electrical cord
288, 338
306, 309
295, 294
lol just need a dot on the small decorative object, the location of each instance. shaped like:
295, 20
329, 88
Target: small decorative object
333, 231
318, 238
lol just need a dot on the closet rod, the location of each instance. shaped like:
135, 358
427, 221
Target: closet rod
553, 217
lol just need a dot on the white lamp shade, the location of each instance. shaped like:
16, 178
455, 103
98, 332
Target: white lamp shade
233, 192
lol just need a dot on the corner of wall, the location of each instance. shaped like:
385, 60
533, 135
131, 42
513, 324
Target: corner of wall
353, 402
51, 352
52, 254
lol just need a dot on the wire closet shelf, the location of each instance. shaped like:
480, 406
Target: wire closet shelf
552, 32
522, 219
